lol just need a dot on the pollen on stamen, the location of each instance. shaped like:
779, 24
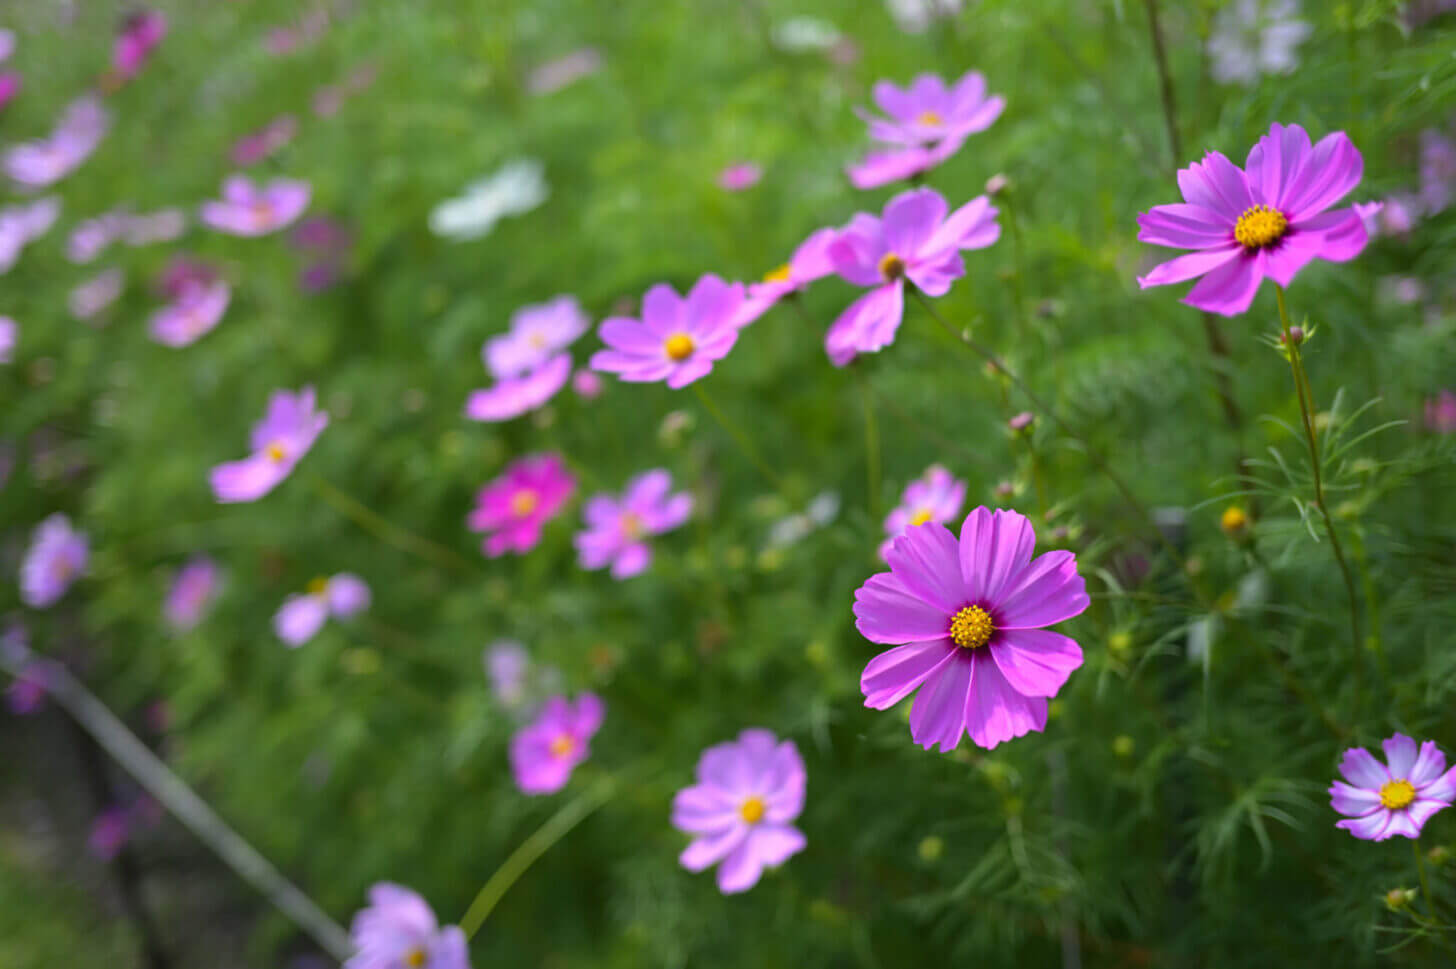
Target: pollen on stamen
1397, 795
524, 502
276, 453
1260, 226
562, 746
779, 274
679, 346
416, 958
922, 516
752, 809
892, 267
971, 627
929, 118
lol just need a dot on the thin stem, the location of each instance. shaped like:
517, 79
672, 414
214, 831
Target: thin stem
872, 444
386, 531
1018, 296
1425, 882
1165, 82
741, 439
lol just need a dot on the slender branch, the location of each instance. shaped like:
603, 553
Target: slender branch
740, 438
387, 531
872, 444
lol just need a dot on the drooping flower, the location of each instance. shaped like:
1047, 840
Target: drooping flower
76, 135
1269, 219
246, 210
554, 75
969, 614
1441, 413
514, 396
916, 16
617, 529
265, 142
1397, 797
740, 176
20, 225
915, 241
925, 124
740, 812
279, 441
936, 496
398, 930
140, 34
538, 333
90, 297
677, 339
301, 616
809, 262
57, 557
513, 508
191, 593
545, 752
1255, 37
506, 664
196, 310
1438, 170
515, 188
9, 337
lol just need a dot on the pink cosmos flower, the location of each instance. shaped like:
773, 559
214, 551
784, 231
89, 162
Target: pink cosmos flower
616, 528
936, 496
140, 35
9, 337
398, 931
915, 241
740, 176
925, 123
506, 664
9, 87
27, 692
515, 396
93, 236
279, 442
90, 297
554, 75
546, 751
1396, 216
1395, 798
970, 614
513, 508
7, 43
192, 315
740, 810
57, 557
191, 593
110, 832
537, 334
264, 143
249, 211
1438, 170
809, 262
1441, 413
1268, 219
183, 274
21, 225
301, 616
40, 163
163, 225
677, 338
587, 384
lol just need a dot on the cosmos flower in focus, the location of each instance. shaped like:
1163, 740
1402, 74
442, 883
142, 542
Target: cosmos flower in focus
545, 752
538, 333
517, 187
57, 557
89, 298
301, 616
554, 75
398, 931
936, 496
191, 593
617, 529
279, 441
809, 262
924, 125
193, 314
739, 176
677, 339
36, 164
1397, 797
1251, 38
513, 508
740, 812
248, 210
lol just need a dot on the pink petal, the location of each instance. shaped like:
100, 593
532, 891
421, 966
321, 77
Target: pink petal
1423, 810
710, 850
1371, 827
1275, 161
300, 618
911, 219
1186, 267
926, 559
996, 712
1354, 802
1361, 769
1036, 662
972, 226
1047, 591
938, 715
868, 325
741, 870
894, 674
1400, 755
1333, 170
994, 548
248, 479
632, 560
1230, 289
703, 810
662, 309
1184, 226
1342, 233
1428, 766
776, 844
629, 336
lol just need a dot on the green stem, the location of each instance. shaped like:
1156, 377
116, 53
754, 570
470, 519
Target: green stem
872, 445
386, 531
1018, 296
1425, 883
741, 439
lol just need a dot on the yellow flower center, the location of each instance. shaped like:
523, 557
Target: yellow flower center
779, 274
416, 957
276, 452
562, 746
1260, 227
632, 525
1397, 794
318, 586
752, 810
922, 516
524, 502
971, 627
679, 346
892, 267
537, 340
928, 117
1234, 519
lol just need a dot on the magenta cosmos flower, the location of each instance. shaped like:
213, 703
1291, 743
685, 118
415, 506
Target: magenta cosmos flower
740, 810
246, 210
546, 751
936, 496
191, 594
398, 931
140, 34
1440, 411
970, 615
1270, 218
513, 507
1395, 798
537, 334
56, 557
915, 241
925, 123
192, 315
678, 338
514, 396
809, 262
301, 617
36, 164
616, 528
740, 176
9, 87
279, 442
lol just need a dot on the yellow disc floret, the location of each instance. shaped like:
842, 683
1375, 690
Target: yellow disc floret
562, 745
679, 346
892, 267
1260, 227
318, 585
524, 502
779, 274
971, 627
276, 452
751, 810
1398, 794
1234, 520
922, 516
416, 958
929, 117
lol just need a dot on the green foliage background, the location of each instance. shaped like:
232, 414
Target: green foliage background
1172, 814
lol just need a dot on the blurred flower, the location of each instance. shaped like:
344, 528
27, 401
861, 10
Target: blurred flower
318, 277
513, 508
262, 144
917, 241
926, 123
249, 211
587, 384
322, 234
140, 34
545, 752
301, 616
21, 225
506, 664
1438, 170
973, 630
1254, 37
518, 186
279, 441
110, 831
1396, 798
677, 338
95, 294
1021, 421
56, 557
27, 692
92, 237
1405, 290
554, 75
398, 930
1268, 220
9, 87
511, 397
40, 163
1441, 413
196, 310
9, 337
184, 274
1396, 216
1234, 521
739, 176
616, 529
822, 509
741, 809
191, 593
163, 225
327, 100
1418, 12
7, 43
538, 333
809, 262
801, 34
936, 496
915, 16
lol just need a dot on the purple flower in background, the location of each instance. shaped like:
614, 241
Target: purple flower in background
809, 262
264, 143
7, 43
1441, 413
587, 384
1438, 170
163, 225
925, 124
554, 75
191, 594
279, 441
1269, 219
184, 274
92, 237
196, 310
140, 34
9, 87
21, 225
506, 664
110, 832
970, 614
617, 529
398, 931
27, 692
677, 339
538, 333
321, 234
1397, 797
56, 557
1395, 216
1417, 12
9, 337
546, 751
740, 812
740, 176
1254, 37
513, 508
935, 496
246, 210
916, 241
89, 298
514, 396
37, 164
301, 616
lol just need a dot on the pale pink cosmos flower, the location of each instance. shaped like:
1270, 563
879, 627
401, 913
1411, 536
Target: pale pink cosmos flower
554, 75
191, 594
538, 333
1396, 216
924, 124
511, 397
92, 237
936, 496
7, 43
740, 176
301, 616
513, 508
193, 314
809, 262
9, 337
506, 665
916, 241
1438, 170
1397, 797
1441, 413
20, 225
89, 298
587, 384
246, 210
617, 528
140, 35
36, 164
57, 557
545, 752
399, 931
678, 338
279, 441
